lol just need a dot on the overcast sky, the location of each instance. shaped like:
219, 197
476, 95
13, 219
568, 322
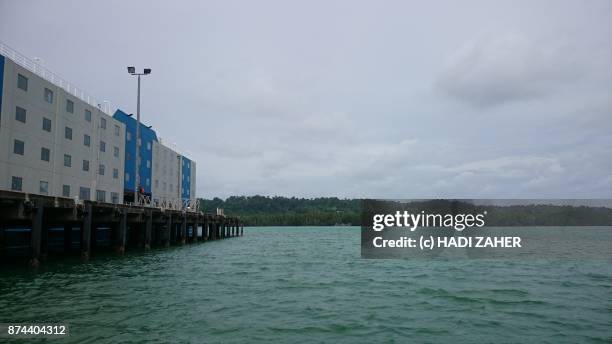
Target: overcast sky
397, 99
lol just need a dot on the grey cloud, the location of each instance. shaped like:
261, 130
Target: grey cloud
354, 99
508, 68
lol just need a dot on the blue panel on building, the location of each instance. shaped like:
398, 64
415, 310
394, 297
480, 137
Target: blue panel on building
147, 136
185, 178
1, 78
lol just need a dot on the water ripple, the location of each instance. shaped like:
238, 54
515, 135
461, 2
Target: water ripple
310, 285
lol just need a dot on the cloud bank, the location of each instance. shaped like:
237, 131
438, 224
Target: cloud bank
398, 100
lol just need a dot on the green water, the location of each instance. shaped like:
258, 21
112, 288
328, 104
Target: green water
288, 285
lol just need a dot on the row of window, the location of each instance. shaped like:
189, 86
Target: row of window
171, 187
45, 155
86, 139
164, 185
128, 157
17, 182
21, 116
127, 179
164, 170
22, 83
129, 138
84, 192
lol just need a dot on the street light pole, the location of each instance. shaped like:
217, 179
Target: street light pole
132, 71
137, 157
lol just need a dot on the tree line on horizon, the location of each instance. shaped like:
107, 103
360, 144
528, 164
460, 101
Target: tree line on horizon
288, 211
329, 211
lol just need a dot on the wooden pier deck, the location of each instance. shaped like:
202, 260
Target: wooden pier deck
125, 226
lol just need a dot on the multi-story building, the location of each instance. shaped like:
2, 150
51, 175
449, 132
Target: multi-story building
54, 143
173, 174
147, 137
166, 184
164, 174
55, 140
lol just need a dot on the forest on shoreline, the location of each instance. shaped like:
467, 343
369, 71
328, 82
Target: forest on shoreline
285, 211
331, 211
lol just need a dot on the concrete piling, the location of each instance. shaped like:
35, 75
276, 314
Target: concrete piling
183, 233
122, 233
67, 237
36, 237
86, 232
204, 230
167, 237
148, 230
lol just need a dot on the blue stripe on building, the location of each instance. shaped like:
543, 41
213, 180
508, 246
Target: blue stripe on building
147, 137
185, 178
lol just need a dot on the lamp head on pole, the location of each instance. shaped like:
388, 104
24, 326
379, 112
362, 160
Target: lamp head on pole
131, 70
147, 70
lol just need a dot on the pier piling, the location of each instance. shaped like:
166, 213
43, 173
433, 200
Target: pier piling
86, 232
183, 232
61, 225
67, 237
36, 237
195, 230
168, 231
122, 233
148, 230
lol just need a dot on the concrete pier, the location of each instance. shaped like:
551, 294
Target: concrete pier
27, 219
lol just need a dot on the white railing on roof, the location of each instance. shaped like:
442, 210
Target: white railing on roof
55, 79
